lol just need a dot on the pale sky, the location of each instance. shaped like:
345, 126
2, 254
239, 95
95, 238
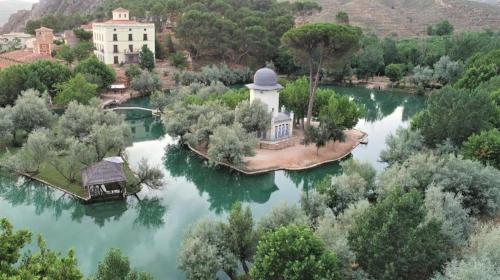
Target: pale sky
32, 1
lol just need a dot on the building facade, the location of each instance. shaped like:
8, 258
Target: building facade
266, 89
44, 41
121, 39
14, 40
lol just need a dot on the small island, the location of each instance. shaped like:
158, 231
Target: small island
281, 146
260, 133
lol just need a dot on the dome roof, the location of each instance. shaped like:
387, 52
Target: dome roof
265, 79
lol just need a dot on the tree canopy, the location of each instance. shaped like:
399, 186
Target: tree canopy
318, 46
293, 252
76, 89
455, 114
96, 72
396, 229
146, 58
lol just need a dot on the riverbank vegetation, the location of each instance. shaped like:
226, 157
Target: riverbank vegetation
60, 82
439, 195
44, 263
55, 149
432, 201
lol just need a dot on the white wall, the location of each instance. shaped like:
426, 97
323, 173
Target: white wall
270, 97
103, 39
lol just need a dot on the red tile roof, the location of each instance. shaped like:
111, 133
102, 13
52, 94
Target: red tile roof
122, 22
44, 29
120, 10
20, 57
86, 26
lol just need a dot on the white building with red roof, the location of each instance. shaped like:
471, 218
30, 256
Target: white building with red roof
120, 40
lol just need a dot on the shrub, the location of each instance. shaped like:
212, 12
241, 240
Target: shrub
178, 59
146, 83
395, 72
293, 252
231, 145
484, 147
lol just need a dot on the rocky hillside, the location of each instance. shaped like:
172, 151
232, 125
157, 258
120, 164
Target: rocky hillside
45, 7
411, 17
404, 17
8, 7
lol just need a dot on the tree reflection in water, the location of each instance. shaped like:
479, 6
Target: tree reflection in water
150, 212
379, 104
19, 191
223, 186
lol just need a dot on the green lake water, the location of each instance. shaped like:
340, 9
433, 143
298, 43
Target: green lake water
150, 232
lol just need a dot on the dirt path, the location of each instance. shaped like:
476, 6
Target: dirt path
298, 157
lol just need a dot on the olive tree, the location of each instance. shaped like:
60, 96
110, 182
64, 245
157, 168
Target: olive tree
6, 124
318, 46
447, 208
109, 140
470, 268
282, 215
476, 183
401, 145
78, 119
231, 145
146, 83
148, 175
34, 152
205, 251
210, 116
422, 77
447, 71
339, 191
31, 111
313, 205
481, 260
253, 117
334, 230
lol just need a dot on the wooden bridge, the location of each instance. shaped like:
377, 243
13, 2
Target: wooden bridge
154, 112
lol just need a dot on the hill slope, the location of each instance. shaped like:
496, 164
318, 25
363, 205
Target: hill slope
46, 7
411, 17
9, 7
404, 17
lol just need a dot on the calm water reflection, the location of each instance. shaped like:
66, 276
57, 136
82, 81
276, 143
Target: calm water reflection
149, 231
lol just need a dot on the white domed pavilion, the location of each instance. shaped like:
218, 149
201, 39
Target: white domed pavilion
266, 88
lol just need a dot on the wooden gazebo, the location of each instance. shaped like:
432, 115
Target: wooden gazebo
105, 179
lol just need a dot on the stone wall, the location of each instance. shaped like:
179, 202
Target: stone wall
278, 145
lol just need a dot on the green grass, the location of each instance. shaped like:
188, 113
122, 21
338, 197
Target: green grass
131, 179
53, 177
50, 175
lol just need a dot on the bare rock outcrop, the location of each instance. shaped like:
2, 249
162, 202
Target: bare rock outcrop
18, 20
